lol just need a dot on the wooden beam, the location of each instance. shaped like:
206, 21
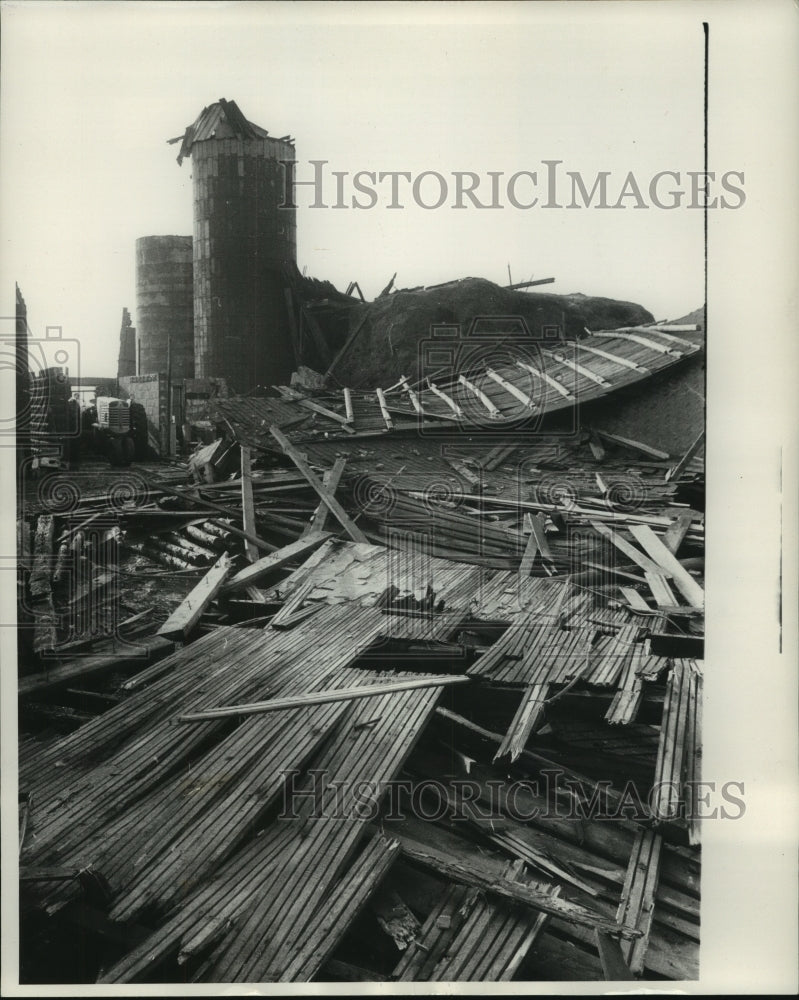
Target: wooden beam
647, 565
638, 896
188, 612
331, 479
381, 399
553, 382
527, 718
412, 395
634, 599
528, 556
537, 526
578, 368
616, 358
646, 449
324, 697
643, 341
510, 388
247, 503
529, 284
683, 580
324, 494
681, 466
202, 502
447, 399
514, 892
348, 405
492, 410
275, 560
614, 966
676, 533
662, 592
149, 648
314, 407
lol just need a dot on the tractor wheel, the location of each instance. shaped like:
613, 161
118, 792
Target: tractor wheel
115, 452
128, 450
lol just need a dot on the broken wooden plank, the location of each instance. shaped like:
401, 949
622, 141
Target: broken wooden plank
670, 566
247, 502
629, 695
693, 764
676, 532
647, 565
335, 916
314, 407
381, 399
667, 786
637, 904
348, 405
614, 966
469, 874
528, 716
324, 494
331, 480
596, 446
645, 449
394, 916
411, 395
203, 502
184, 618
39, 583
537, 522
530, 549
682, 465
662, 592
324, 697
635, 600
275, 560
149, 648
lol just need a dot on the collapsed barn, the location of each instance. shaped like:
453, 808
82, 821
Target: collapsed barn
396, 674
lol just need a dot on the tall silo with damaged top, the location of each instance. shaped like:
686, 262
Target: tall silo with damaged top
243, 243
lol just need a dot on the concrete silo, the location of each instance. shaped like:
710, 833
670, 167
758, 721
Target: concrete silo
165, 305
243, 242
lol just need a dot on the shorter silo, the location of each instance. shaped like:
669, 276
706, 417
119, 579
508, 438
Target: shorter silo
165, 305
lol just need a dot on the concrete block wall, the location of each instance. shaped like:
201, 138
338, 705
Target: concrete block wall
151, 392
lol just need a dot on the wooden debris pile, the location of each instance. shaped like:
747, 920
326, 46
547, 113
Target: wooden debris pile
412, 711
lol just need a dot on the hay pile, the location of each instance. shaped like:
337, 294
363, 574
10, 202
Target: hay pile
387, 345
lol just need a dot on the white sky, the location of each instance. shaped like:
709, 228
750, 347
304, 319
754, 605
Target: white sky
91, 93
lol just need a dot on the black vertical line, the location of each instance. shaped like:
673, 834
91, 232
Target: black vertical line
706, 29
